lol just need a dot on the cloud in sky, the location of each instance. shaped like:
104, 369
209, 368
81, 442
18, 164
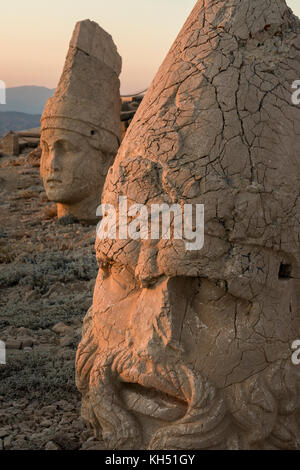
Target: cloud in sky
35, 35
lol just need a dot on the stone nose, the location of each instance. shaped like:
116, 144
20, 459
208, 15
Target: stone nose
161, 310
54, 160
147, 271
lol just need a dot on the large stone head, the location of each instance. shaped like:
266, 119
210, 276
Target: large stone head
191, 349
81, 127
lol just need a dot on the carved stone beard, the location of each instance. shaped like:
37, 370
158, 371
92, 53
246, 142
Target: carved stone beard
257, 413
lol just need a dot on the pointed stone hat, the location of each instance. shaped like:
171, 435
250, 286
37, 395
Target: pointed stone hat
218, 127
87, 98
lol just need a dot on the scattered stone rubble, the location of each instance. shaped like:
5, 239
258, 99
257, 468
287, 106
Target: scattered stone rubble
47, 275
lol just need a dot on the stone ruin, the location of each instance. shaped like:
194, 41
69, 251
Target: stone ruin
80, 125
192, 349
10, 144
15, 142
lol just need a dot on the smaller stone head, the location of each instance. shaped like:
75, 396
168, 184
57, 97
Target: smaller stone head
80, 126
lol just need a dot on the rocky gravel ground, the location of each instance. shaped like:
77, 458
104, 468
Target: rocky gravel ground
47, 274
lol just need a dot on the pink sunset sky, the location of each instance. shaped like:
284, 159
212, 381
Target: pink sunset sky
35, 35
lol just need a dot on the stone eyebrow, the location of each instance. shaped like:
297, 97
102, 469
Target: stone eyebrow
63, 140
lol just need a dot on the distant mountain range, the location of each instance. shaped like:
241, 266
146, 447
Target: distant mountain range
23, 108
26, 99
12, 121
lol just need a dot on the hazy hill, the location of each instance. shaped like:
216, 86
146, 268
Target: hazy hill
12, 121
26, 99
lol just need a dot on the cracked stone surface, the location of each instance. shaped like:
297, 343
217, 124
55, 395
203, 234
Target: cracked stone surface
80, 125
192, 349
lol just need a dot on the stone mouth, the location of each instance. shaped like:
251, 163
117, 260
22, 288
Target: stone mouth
53, 180
152, 403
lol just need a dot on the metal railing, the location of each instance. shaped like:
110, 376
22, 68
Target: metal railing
134, 94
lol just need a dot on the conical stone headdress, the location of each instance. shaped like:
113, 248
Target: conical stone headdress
217, 125
87, 98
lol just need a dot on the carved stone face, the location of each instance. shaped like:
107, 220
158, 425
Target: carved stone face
69, 166
80, 125
192, 350
190, 341
173, 324
226, 337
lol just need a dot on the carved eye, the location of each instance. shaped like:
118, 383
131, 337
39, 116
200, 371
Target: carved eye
92, 132
285, 271
64, 146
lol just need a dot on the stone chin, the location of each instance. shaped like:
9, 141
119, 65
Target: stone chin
54, 195
63, 196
